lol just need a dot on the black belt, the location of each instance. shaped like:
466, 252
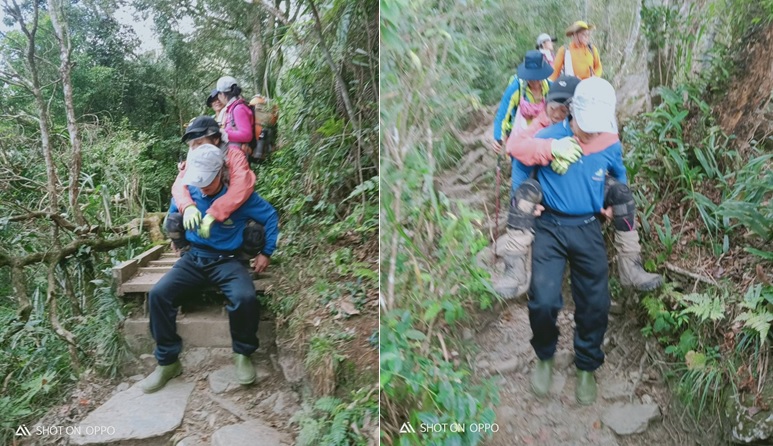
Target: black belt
209, 253
563, 219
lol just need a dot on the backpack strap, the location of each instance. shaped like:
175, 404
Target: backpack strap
568, 67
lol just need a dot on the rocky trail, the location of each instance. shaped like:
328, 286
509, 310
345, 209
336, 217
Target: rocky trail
204, 406
633, 403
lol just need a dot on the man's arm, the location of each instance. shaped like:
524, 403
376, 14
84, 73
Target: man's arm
616, 166
558, 64
502, 111
262, 212
240, 188
520, 173
531, 151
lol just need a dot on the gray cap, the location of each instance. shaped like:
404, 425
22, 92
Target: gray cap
203, 165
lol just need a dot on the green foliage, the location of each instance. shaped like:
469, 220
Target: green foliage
328, 421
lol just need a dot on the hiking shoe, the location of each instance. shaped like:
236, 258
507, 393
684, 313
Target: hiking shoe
632, 273
245, 371
158, 379
541, 377
585, 392
516, 278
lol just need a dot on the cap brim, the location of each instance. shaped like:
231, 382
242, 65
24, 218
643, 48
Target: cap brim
534, 74
590, 122
558, 97
573, 29
197, 178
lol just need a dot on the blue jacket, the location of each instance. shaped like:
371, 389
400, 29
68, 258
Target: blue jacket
503, 121
581, 190
228, 235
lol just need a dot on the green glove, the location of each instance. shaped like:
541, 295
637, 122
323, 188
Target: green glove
566, 149
206, 225
560, 166
191, 217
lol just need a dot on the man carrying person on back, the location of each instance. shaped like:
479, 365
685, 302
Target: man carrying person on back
211, 260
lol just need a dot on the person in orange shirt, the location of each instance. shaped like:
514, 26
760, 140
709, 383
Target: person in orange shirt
582, 59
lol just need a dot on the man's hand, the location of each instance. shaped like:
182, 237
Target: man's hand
247, 150
559, 166
261, 263
191, 217
607, 213
566, 149
497, 146
538, 210
206, 226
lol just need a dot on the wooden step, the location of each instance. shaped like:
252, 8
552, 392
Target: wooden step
154, 269
163, 262
144, 282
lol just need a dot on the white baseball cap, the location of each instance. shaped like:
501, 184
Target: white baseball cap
542, 38
225, 83
203, 164
593, 106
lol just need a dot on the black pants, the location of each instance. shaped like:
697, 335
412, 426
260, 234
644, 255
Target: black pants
194, 271
558, 239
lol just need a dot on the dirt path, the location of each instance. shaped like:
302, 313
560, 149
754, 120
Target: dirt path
627, 381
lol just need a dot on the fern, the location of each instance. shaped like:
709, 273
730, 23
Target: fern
758, 322
704, 307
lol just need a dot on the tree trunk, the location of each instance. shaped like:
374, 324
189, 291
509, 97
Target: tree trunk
45, 136
344, 91
59, 23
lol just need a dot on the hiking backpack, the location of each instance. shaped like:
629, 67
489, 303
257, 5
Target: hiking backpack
568, 61
264, 117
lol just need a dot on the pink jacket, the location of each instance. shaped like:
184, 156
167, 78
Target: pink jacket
242, 183
239, 122
531, 151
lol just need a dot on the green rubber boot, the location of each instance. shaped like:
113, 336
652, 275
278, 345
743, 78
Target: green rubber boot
245, 371
158, 379
586, 388
541, 377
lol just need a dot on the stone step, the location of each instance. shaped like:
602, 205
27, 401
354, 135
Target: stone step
204, 328
134, 418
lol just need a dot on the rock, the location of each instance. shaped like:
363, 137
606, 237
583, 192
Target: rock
557, 386
563, 359
224, 379
483, 365
281, 403
627, 419
615, 307
132, 415
507, 366
646, 399
292, 367
467, 334
136, 378
749, 424
250, 432
121, 387
616, 391
193, 358
192, 441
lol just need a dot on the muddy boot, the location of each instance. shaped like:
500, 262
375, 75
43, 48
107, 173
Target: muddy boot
585, 392
158, 379
245, 371
517, 254
632, 273
541, 377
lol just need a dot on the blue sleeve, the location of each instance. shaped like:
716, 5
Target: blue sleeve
262, 212
173, 207
502, 110
616, 166
520, 173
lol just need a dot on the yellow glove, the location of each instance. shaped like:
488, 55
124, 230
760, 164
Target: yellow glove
560, 166
566, 149
191, 217
206, 225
